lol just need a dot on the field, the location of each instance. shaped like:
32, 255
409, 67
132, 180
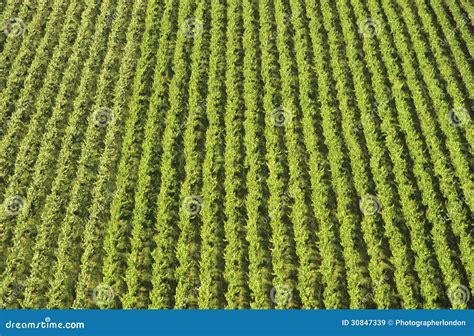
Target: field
236, 154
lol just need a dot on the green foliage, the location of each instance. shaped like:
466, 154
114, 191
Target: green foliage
236, 154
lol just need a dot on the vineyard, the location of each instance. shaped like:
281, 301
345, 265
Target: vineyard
236, 154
